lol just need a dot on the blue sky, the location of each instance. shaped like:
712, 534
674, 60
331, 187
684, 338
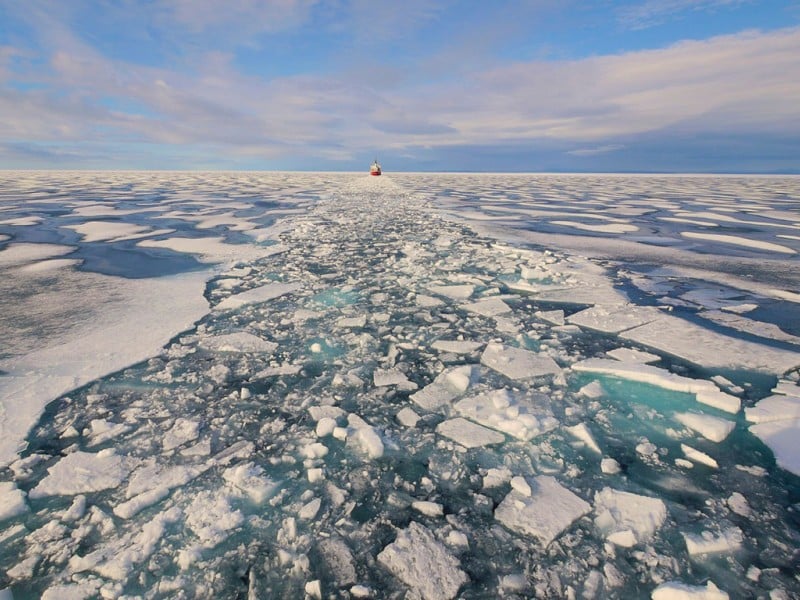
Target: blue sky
531, 85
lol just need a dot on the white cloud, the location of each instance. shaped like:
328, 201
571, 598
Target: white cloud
595, 150
654, 12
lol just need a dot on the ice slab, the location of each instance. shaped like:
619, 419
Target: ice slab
82, 472
12, 501
624, 517
581, 432
614, 319
630, 355
521, 416
736, 240
781, 437
393, 376
675, 590
698, 456
454, 292
774, 408
705, 391
489, 307
262, 293
710, 349
421, 562
707, 542
250, 479
545, 513
240, 341
468, 434
456, 346
516, 363
447, 386
25, 253
710, 427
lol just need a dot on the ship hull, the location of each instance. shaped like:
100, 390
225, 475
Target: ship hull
375, 173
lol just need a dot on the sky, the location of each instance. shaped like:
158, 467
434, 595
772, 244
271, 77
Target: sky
473, 85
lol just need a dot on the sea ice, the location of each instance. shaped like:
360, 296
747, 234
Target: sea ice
516, 363
250, 479
447, 386
698, 456
711, 428
624, 517
614, 319
488, 307
781, 437
421, 562
82, 472
211, 517
581, 432
774, 408
468, 434
12, 501
239, 341
710, 543
675, 590
545, 513
705, 391
257, 295
710, 349
523, 417
456, 346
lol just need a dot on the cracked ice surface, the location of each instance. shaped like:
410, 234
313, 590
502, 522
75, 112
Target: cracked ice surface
385, 401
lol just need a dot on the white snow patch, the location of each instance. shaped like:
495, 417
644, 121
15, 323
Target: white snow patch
12, 501
514, 414
675, 590
774, 408
781, 437
707, 542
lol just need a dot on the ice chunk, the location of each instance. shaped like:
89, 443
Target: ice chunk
698, 456
496, 477
489, 307
581, 432
709, 543
430, 509
738, 504
325, 426
82, 472
468, 434
614, 319
407, 417
152, 483
240, 341
100, 431
339, 560
455, 292
554, 317
448, 385
675, 590
250, 479
352, 322
548, 511
182, 431
774, 408
516, 363
322, 412
705, 391
630, 355
12, 501
394, 376
711, 428
257, 295
781, 437
523, 417
521, 485
636, 517
421, 562
609, 466
456, 346
368, 440
211, 517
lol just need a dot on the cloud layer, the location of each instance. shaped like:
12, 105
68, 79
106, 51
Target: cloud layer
64, 95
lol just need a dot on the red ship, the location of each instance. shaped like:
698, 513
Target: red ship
375, 168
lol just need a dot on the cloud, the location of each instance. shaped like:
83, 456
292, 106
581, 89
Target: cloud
594, 151
733, 84
655, 12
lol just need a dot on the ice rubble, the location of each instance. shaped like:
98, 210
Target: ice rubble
82, 472
516, 363
627, 519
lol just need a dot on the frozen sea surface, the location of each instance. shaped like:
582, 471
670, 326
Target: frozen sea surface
413, 386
